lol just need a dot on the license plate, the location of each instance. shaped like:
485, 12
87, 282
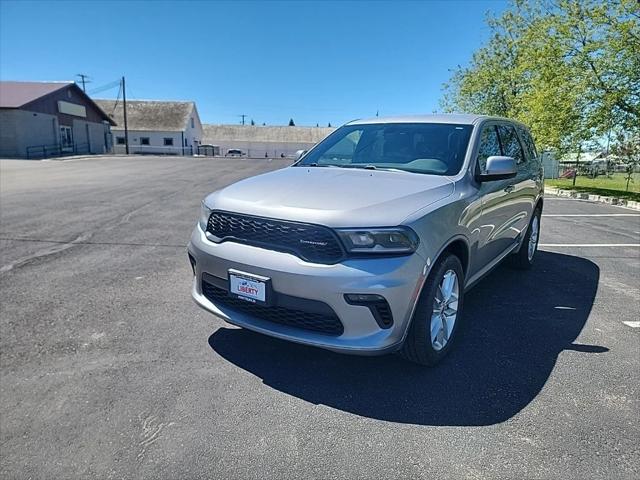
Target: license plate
249, 287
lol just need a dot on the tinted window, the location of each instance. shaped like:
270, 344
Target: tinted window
527, 143
144, 140
510, 143
120, 140
431, 148
489, 146
168, 142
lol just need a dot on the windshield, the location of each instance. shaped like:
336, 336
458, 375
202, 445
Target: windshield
431, 148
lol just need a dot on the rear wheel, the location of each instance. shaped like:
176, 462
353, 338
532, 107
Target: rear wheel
523, 260
436, 320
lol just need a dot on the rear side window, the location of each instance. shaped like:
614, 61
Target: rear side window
489, 146
527, 143
510, 143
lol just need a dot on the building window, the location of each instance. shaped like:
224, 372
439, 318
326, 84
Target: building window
193, 123
120, 140
168, 142
185, 142
144, 140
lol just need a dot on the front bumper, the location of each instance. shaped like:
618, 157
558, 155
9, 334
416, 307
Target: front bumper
397, 279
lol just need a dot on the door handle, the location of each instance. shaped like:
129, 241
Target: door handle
509, 189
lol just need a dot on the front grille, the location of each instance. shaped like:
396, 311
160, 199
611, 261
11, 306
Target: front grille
313, 243
327, 323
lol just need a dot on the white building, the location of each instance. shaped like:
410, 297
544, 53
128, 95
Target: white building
159, 128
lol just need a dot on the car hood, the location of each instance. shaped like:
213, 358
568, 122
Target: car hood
336, 197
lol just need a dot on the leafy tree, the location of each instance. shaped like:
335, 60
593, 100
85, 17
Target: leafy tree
291, 124
329, 124
628, 148
569, 69
252, 122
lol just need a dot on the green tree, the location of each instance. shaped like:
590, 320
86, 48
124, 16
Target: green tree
628, 148
291, 124
569, 69
252, 122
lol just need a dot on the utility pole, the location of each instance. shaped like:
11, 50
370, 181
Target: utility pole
124, 106
84, 79
243, 116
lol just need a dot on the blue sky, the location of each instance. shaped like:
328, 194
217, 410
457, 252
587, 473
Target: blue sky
317, 62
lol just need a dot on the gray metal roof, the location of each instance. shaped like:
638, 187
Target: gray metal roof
17, 94
149, 115
22, 94
456, 118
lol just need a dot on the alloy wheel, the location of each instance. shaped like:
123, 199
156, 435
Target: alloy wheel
445, 310
533, 238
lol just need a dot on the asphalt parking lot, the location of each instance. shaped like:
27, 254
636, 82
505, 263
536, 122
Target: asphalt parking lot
109, 370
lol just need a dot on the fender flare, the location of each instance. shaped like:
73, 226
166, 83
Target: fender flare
444, 248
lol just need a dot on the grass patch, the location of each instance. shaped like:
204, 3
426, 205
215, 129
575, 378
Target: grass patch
613, 186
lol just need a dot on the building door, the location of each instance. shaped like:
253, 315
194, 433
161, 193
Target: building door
66, 138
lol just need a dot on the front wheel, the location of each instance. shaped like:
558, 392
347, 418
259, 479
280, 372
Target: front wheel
523, 259
436, 320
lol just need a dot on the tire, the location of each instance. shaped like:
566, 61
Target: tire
524, 258
419, 346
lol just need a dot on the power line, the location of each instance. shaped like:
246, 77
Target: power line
108, 86
115, 105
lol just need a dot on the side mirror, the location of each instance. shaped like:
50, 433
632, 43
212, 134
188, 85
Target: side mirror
498, 168
300, 154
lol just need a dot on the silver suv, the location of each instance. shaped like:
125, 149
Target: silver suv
367, 244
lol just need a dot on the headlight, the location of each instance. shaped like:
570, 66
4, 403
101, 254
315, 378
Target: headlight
205, 213
379, 240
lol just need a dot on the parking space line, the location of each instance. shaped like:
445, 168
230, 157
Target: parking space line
580, 245
632, 324
591, 214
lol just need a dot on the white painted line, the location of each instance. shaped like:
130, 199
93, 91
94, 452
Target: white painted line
632, 324
591, 215
589, 244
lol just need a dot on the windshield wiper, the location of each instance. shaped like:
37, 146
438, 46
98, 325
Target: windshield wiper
391, 169
316, 165
375, 167
359, 167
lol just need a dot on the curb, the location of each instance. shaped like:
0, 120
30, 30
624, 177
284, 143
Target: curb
593, 198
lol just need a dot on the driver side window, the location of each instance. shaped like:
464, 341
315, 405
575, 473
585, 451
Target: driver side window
489, 146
